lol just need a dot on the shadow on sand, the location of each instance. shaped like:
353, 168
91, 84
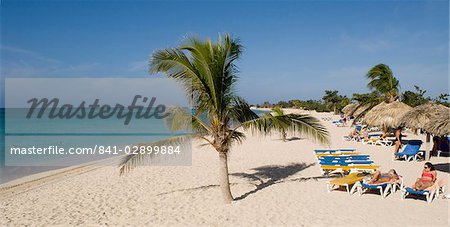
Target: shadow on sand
266, 176
443, 167
263, 177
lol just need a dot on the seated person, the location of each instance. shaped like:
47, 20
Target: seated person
365, 134
427, 179
354, 133
382, 178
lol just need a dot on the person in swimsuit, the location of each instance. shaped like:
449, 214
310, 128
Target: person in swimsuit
427, 178
382, 178
365, 133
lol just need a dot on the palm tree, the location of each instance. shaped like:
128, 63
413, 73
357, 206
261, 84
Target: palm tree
384, 85
278, 125
383, 81
208, 73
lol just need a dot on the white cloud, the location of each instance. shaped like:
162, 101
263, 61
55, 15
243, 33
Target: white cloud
27, 63
138, 66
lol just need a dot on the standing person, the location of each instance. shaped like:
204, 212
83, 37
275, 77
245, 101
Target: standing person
398, 139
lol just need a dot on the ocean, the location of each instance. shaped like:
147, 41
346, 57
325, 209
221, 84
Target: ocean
17, 131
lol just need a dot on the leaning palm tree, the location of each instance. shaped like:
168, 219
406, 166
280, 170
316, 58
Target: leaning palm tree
208, 72
384, 86
383, 81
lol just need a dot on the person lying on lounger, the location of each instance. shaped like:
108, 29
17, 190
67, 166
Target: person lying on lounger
382, 178
427, 178
354, 134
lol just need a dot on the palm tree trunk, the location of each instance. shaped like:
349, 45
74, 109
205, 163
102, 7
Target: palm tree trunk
224, 178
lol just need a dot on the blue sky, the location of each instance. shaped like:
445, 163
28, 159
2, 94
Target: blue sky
293, 49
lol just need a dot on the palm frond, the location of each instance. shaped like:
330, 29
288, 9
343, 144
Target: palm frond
133, 160
295, 123
239, 111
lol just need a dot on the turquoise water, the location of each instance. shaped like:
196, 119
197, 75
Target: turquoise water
21, 132
17, 131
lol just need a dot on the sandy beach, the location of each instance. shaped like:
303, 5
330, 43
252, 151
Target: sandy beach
273, 183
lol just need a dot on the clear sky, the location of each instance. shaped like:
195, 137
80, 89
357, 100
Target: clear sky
293, 49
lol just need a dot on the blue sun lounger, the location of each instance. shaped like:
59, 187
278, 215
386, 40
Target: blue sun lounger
345, 157
411, 151
383, 188
409, 191
333, 150
346, 163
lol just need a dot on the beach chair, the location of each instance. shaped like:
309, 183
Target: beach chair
333, 150
384, 142
346, 181
344, 157
345, 160
384, 188
329, 169
409, 191
429, 193
318, 155
411, 151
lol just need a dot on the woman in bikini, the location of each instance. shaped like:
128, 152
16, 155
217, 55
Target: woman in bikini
382, 178
427, 179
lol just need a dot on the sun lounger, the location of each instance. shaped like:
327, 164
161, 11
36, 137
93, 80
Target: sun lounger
411, 151
346, 182
351, 156
346, 162
429, 193
409, 191
383, 188
333, 150
438, 187
336, 154
326, 169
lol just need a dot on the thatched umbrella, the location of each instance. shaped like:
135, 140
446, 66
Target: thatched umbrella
420, 116
360, 109
348, 109
387, 115
440, 125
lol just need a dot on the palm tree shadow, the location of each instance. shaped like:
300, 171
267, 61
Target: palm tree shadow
294, 138
266, 176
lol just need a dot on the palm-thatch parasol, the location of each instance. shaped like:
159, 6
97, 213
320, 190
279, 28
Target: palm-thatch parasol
425, 115
419, 116
440, 125
387, 115
349, 108
360, 109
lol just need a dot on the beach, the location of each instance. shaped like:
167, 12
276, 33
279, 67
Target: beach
273, 183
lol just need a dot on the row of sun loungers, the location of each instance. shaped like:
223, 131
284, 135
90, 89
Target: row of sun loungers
359, 168
343, 160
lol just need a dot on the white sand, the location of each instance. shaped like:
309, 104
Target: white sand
276, 183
